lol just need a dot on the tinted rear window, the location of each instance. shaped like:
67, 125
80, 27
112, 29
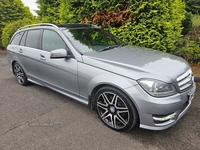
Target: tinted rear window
17, 38
23, 40
33, 38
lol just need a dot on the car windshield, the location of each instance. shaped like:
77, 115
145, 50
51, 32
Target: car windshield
92, 39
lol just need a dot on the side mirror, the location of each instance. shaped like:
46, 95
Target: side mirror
59, 53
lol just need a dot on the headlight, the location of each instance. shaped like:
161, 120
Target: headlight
157, 88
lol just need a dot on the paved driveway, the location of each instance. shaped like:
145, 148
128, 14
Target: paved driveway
34, 117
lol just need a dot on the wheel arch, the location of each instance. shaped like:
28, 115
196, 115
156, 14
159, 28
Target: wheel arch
92, 95
115, 88
13, 65
115, 81
99, 86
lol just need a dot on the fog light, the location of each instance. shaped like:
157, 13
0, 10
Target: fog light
161, 119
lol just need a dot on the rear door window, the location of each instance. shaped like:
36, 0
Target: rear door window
32, 39
17, 38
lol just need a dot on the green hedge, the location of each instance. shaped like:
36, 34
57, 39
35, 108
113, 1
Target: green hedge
189, 46
150, 23
12, 10
11, 28
193, 6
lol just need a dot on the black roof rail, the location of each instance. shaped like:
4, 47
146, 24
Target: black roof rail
75, 25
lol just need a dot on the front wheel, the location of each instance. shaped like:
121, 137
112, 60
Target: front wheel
115, 109
20, 74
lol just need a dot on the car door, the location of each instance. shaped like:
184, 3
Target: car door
59, 74
28, 53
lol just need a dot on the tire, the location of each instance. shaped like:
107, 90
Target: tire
20, 74
115, 109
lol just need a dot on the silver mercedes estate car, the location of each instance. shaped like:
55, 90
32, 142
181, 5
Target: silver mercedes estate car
126, 85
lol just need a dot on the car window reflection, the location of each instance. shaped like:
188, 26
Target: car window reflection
91, 39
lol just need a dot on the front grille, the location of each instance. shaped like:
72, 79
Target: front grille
185, 80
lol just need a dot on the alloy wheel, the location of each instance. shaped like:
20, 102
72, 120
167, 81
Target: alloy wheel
113, 110
19, 73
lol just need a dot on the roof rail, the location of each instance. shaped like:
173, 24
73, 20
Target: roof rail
40, 24
71, 25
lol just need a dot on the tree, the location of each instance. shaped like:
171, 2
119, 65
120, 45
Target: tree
73, 11
150, 23
48, 10
193, 6
12, 10
64, 11
187, 23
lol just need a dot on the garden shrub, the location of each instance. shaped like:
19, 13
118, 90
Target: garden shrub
12, 10
11, 28
192, 6
48, 11
196, 21
150, 23
187, 23
189, 47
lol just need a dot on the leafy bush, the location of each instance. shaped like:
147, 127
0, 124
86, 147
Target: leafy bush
196, 21
189, 50
11, 28
48, 11
189, 47
187, 23
155, 24
12, 11
193, 6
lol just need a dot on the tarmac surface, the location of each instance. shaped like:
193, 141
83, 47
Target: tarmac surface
37, 118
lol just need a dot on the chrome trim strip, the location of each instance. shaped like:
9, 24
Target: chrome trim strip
164, 118
184, 75
185, 80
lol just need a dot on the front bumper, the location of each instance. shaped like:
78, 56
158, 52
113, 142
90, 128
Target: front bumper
160, 113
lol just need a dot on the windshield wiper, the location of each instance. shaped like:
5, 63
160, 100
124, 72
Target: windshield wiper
108, 48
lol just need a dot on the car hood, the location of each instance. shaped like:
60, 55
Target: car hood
136, 62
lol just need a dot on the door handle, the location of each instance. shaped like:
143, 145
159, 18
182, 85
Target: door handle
42, 57
20, 50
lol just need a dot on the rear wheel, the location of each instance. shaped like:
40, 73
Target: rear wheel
115, 109
20, 74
